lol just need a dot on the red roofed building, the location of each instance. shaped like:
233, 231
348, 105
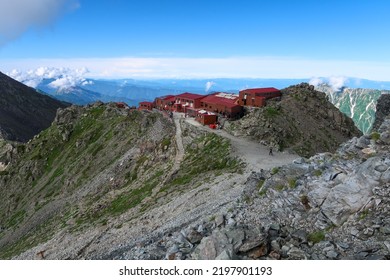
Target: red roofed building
186, 99
256, 97
222, 103
121, 104
145, 105
206, 118
165, 102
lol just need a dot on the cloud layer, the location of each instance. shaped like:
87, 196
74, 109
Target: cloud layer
17, 16
335, 82
210, 68
63, 78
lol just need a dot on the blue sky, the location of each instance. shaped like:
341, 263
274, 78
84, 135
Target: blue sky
199, 39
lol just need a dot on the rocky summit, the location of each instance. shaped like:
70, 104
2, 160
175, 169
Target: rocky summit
382, 111
23, 111
106, 182
304, 121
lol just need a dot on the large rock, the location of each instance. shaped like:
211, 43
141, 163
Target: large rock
382, 111
347, 198
222, 244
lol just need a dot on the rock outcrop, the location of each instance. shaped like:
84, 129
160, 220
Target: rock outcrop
330, 206
303, 121
382, 111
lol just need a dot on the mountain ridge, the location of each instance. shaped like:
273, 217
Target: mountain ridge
109, 183
23, 111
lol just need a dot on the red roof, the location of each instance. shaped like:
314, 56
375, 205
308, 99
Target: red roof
146, 103
260, 90
172, 98
166, 97
188, 95
214, 99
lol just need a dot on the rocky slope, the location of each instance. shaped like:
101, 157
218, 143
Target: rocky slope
331, 206
23, 111
303, 121
94, 170
109, 183
357, 103
382, 110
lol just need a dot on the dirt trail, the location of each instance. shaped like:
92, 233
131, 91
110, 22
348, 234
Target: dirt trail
254, 154
179, 142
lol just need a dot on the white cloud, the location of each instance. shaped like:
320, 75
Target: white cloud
337, 82
209, 85
17, 16
316, 81
63, 78
210, 68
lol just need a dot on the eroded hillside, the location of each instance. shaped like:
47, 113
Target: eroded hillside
96, 166
304, 121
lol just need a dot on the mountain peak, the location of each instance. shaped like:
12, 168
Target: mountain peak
23, 111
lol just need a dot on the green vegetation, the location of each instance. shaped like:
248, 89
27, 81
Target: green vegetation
292, 183
305, 201
317, 172
209, 153
271, 112
275, 170
363, 214
69, 156
375, 136
16, 218
166, 142
260, 184
316, 237
262, 192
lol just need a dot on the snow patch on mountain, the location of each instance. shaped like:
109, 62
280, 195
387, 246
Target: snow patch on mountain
357, 103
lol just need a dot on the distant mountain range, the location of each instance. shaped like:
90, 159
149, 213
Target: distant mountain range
354, 97
134, 91
358, 104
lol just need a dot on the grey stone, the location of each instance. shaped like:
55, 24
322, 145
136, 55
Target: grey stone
194, 236
206, 250
219, 220
385, 176
345, 199
332, 254
300, 235
275, 245
285, 250
368, 231
299, 161
362, 143
387, 244
342, 245
231, 222
235, 238
275, 227
226, 255
296, 254
381, 168
252, 243
385, 230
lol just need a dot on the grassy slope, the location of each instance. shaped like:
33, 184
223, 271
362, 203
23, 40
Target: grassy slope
92, 170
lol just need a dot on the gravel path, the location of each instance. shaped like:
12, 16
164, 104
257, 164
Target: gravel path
183, 210
254, 154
